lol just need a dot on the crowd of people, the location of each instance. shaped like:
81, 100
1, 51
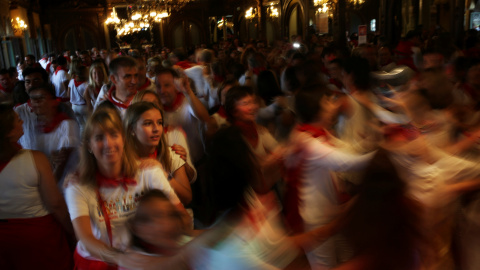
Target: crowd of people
302, 155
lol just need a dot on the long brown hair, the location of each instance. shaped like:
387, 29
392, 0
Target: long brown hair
106, 119
133, 114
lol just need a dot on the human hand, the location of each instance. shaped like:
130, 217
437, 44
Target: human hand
180, 150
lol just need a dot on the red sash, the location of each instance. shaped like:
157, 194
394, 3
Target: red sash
176, 103
222, 112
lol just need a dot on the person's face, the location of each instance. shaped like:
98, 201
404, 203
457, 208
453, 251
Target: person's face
151, 98
86, 59
28, 61
33, 80
158, 223
106, 146
42, 102
166, 88
223, 94
149, 128
246, 109
142, 71
17, 131
164, 54
6, 81
98, 76
103, 54
126, 80
334, 70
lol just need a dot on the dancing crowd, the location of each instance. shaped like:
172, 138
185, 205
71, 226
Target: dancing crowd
298, 155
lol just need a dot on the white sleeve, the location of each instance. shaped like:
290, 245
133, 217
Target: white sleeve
176, 160
77, 201
177, 136
101, 96
269, 143
68, 134
64, 77
156, 179
320, 154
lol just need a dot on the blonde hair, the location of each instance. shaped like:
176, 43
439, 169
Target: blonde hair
91, 81
107, 119
140, 94
133, 114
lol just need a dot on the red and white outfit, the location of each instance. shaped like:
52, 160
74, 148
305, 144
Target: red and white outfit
176, 135
77, 89
43, 62
181, 114
120, 200
31, 237
221, 117
312, 197
110, 96
59, 77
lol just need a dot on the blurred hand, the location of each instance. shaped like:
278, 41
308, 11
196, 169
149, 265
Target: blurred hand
180, 150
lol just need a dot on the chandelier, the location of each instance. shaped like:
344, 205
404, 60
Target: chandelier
251, 13
272, 11
324, 6
19, 25
143, 14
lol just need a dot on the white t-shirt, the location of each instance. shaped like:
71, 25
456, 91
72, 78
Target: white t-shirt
58, 81
104, 95
120, 205
76, 92
177, 136
177, 162
205, 93
19, 194
266, 143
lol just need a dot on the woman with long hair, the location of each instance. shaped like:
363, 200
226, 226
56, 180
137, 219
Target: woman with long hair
105, 191
33, 214
144, 131
96, 79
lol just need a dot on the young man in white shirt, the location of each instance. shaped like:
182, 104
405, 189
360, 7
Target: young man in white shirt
124, 76
60, 80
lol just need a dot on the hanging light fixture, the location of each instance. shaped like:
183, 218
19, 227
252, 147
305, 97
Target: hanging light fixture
19, 25
250, 13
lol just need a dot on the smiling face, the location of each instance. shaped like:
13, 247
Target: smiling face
126, 80
246, 109
158, 223
149, 128
106, 144
97, 75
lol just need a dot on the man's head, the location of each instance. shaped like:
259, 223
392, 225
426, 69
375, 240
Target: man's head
29, 60
62, 61
141, 68
6, 80
165, 85
86, 59
124, 74
34, 77
43, 99
103, 54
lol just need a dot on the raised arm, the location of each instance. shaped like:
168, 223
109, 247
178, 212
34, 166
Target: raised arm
198, 108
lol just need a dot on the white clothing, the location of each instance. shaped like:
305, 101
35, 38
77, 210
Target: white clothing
19, 194
317, 188
58, 81
176, 162
120, 205
221, 122
205, 93
43, 62
183, 116
76, 93
177, 136
102, 95
242, 80
29, 119
266, 143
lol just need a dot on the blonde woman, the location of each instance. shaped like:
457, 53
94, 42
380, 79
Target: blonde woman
104, 193
96, 79
144, 130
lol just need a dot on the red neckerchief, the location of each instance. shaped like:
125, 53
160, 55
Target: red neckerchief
222, 112
97, 90
249, 131
184, 64
257, 70
103, 181
5, 90
314, 131
176, 103
57, 119
154, 154
145, 85
4, 164
77, 83
60, 68
48, 67
116, 103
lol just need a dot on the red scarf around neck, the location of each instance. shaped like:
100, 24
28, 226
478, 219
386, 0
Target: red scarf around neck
77, 83
176, 103
57, 119
60, 68
104, 181
116, 103
249, 131
154, 154
222, 112
4, 164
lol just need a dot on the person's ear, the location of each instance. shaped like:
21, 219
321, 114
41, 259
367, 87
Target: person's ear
113, 79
